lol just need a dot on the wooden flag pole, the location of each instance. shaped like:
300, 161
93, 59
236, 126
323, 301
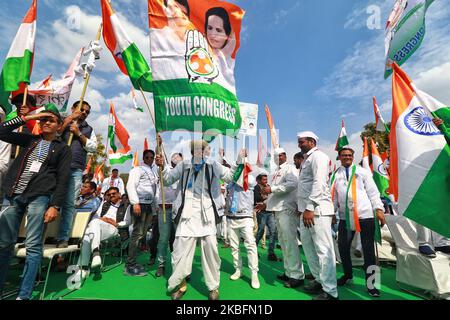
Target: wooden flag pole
24, 103
161, 182
86, 81
153, 120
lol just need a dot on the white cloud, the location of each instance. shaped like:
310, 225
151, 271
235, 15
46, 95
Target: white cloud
280, 16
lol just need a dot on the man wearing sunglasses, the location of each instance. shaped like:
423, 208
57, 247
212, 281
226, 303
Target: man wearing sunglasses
84, 141
36, 183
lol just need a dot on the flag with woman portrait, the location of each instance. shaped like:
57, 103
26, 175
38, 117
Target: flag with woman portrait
193, 46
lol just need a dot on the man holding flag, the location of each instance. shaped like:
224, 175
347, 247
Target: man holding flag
355, 196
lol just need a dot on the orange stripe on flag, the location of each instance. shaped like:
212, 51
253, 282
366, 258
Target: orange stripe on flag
402, 94
31, 14
355, 205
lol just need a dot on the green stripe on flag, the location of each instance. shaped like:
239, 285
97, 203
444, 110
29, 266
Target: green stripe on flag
111, 137
137, 68
430, 205
121, 159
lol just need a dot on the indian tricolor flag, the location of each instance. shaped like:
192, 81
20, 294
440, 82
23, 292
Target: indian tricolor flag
135, 160
128, 57
135, 104
380, 174
19, 60
342, 140
241, 174
420, 156
118, 139
380, 124
98, 174
193, 48
273, 131
365, 158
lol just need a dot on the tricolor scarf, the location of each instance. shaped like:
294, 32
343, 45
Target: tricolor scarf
352, 224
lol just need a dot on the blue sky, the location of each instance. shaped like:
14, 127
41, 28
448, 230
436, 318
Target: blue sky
312, 62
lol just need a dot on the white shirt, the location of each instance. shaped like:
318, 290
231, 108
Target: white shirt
142, 184
367, 194
91, 143
118, 183
5, 156
284, 189
313, 190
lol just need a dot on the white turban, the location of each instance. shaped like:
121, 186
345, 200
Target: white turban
307, 134
279, 151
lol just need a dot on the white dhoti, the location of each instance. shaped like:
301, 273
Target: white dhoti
183, 255
238, 228
287, 222
319, 251
428, 237
97, 231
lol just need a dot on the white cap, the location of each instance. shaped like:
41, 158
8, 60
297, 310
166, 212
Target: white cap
278, 151
307, 134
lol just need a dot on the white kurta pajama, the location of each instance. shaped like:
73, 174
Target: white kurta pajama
197, 221
282, 201
314, 195
240, 225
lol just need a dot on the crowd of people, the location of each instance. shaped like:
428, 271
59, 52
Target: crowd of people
297, 204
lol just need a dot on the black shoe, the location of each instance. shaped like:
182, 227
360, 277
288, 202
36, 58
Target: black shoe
325, 296
443, 249
278, 246
151, 261
309, 276
294, 283
134, 271
427, 251
62, 244
188, 278
313, 287
273, 257
344, 280
160, 271
374, 292
140, 267
283, 277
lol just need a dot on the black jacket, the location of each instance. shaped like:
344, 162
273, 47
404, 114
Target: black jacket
54, 174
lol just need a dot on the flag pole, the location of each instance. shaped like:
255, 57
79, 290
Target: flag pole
153, 120
24, 103
86, 81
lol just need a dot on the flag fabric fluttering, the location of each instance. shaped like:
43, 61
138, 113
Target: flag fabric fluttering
273, 131
380, 124
419, 156
88, 165
380, 174
127, 55
241, 174
261, 152
19, 60
135, 160
146, 144
342, 140
405, 30
118, 139
365, 158
194, 70
57, 92
98, 174
135, 104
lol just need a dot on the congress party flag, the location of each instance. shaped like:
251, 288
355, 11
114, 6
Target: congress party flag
127, 55
420, 155
405, 30
193, 47
19, 59
118, 139
380, 174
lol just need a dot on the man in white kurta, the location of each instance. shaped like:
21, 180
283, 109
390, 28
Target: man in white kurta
316, 208
113, 181
356, 198
282, 201
240, 225
197, 217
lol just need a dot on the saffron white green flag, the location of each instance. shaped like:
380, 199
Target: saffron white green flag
127, 55
118, 139
380, 174
365, 159
193, 47
135, 104
405, 30
380, 124
19, 60
420, 155
342, 140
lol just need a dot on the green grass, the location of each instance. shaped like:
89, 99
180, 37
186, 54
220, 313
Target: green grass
114, 285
